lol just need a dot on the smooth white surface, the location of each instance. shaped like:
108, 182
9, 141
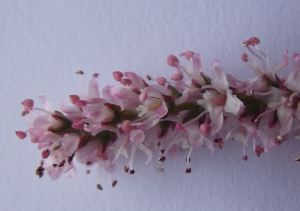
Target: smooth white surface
42, 44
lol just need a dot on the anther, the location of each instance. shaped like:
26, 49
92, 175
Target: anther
297, 159
45, 153
148, 77
113, 184
126, 169
160, 170
95, 75
88, 171
221, 144
80, 72
245, 158
99, 187
244, 57
246, 43
254, 41
62, 163
257, 153
279, 137
188, 170
161, 159
131, 171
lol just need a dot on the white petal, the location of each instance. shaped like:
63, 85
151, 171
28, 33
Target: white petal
233, 104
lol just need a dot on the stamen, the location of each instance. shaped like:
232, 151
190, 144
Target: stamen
99, 187
257, 56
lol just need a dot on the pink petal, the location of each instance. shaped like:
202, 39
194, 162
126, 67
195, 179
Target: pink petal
70, 144
285, 116
293, 80
93, 90
216, 116
46, 103
83, 153
283, 63
195, 137
50, 138
219, 77
137, 136
137, 81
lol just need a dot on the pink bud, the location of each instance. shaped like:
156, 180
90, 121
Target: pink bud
28, 104
244, 57
295, 55
161, 81
177, 77
125, 81
188, 55
172, 60
21, 134
117, 75
74, 98
81, 103
126, 126
179, 127
254, 41
78, 125
143, 96
205, 129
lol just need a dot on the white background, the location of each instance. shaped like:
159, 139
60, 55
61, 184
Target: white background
42, 44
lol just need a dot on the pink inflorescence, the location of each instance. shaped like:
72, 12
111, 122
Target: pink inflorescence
190, 110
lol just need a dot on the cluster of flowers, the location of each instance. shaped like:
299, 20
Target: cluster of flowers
190, 110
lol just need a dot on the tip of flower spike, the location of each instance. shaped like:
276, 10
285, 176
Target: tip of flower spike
117, 75
161, 81
172, 60
21, 134
177, 77
188, 55
79, 72
244, 57
254, 41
